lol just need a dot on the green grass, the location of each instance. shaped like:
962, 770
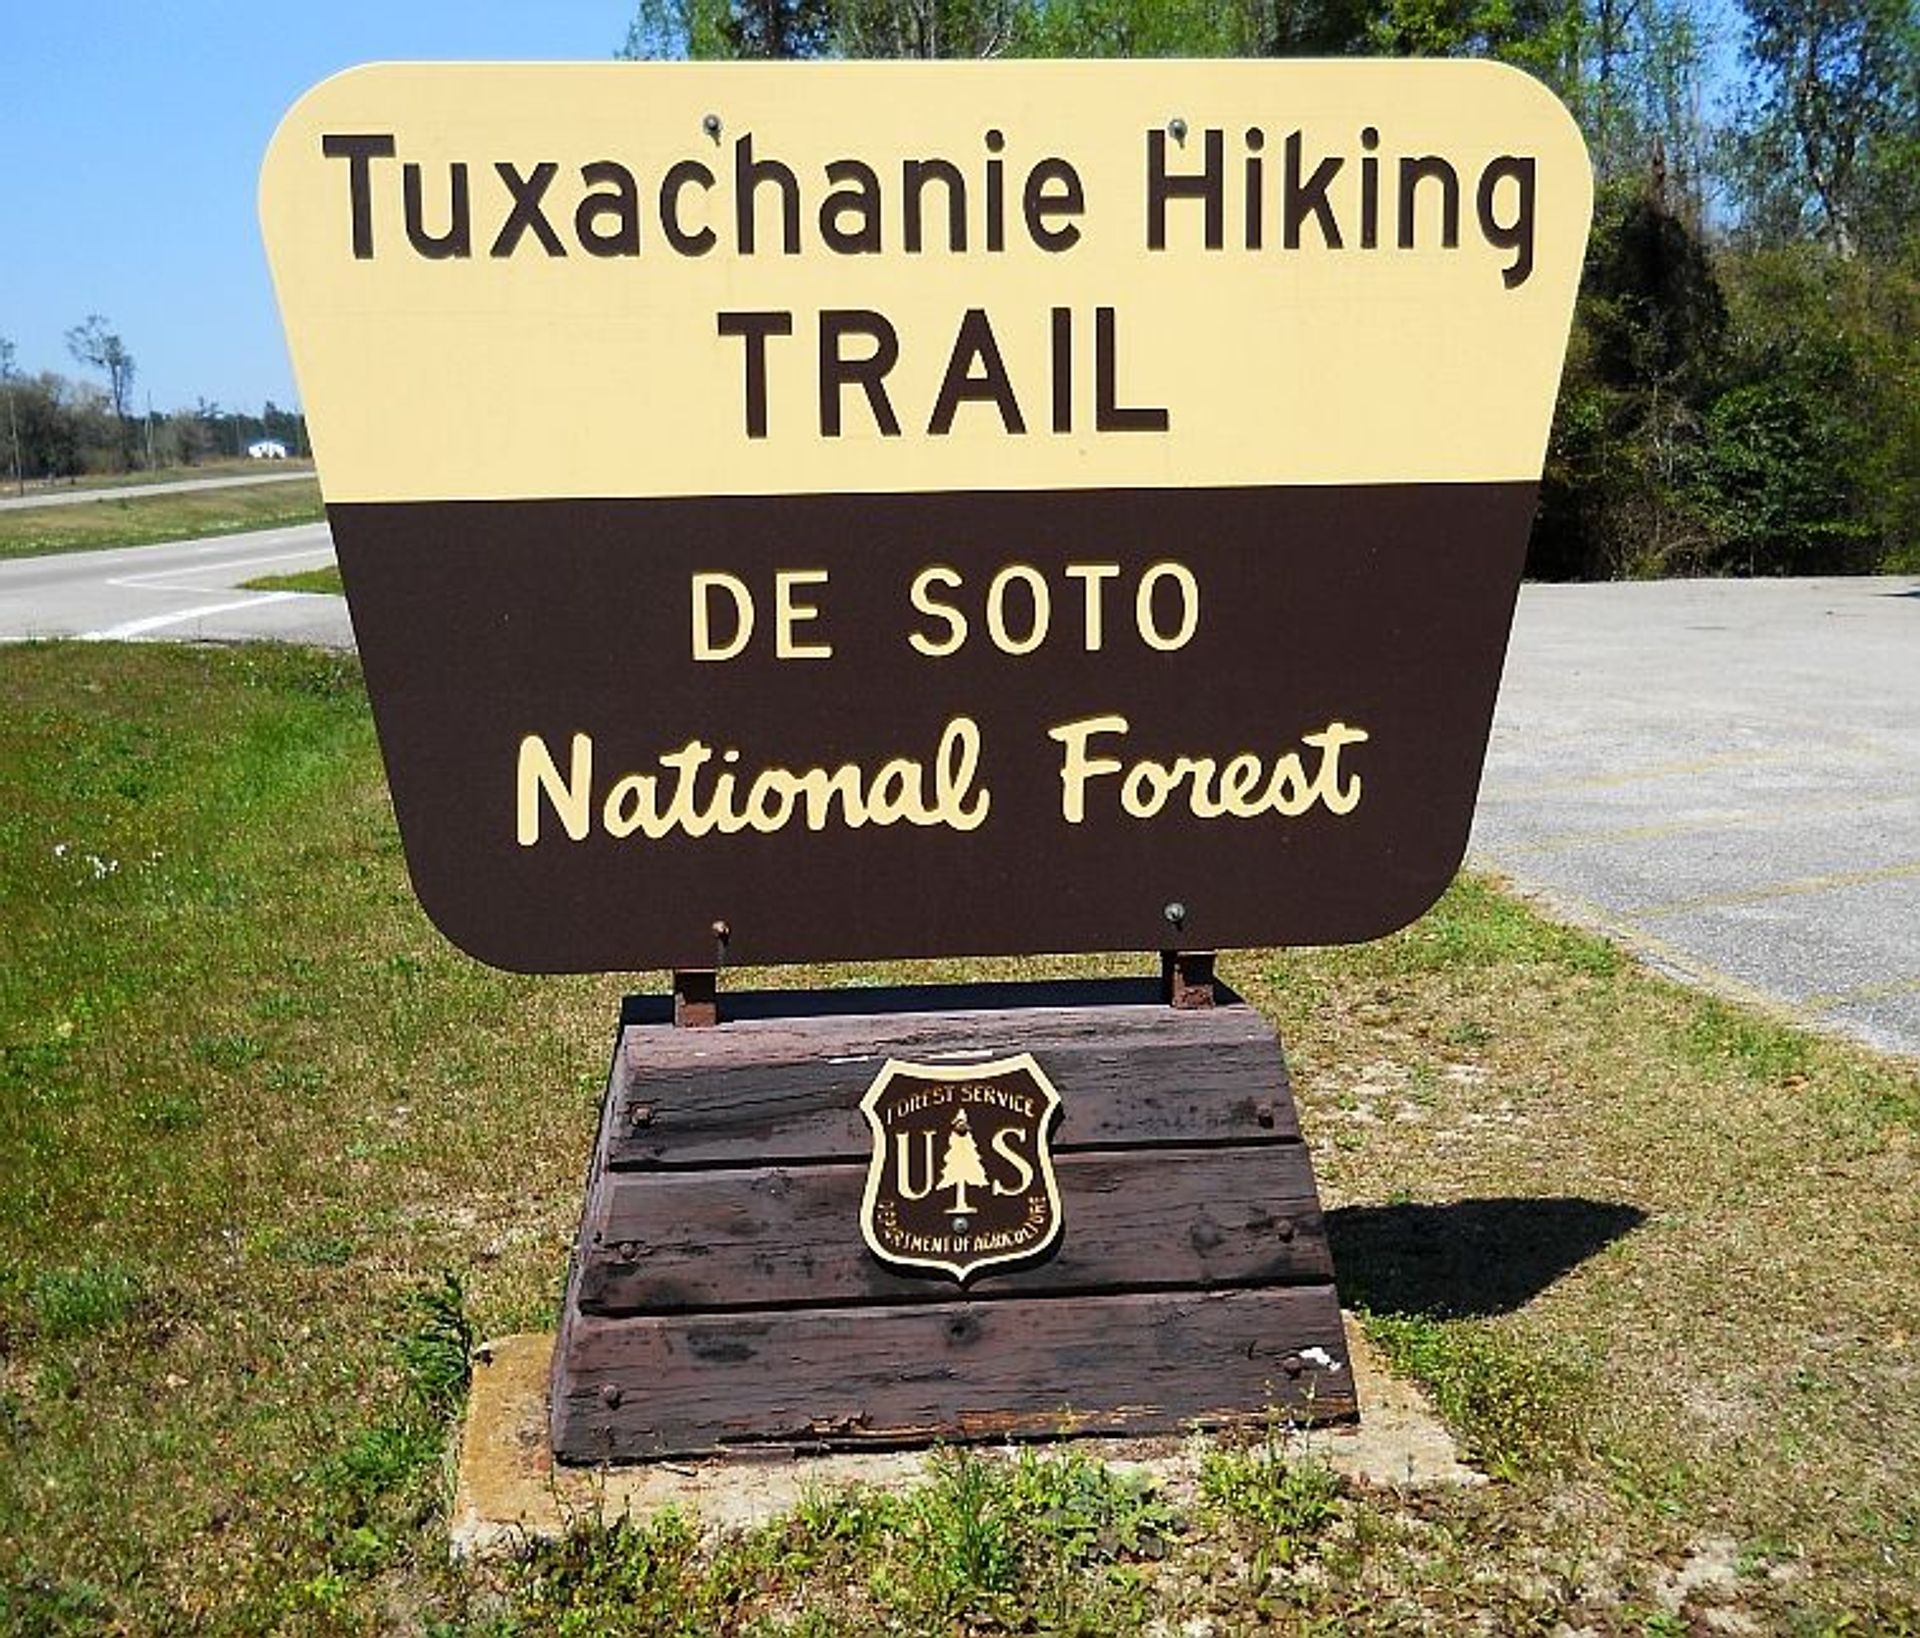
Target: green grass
76, 1302
1055, 1543
325, 579
274, 1154
1285, 1503
227, 466
1517, 1411
142, 520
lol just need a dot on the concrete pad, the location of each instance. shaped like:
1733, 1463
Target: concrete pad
509, 1491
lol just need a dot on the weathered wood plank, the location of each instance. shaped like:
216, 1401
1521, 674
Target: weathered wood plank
780, 1093
775, 1236
630, 1389
723, 1297
755, 1033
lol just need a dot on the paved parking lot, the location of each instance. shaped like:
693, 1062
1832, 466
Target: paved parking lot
1726, 775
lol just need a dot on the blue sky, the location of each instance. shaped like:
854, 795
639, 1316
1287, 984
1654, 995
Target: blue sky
131, 134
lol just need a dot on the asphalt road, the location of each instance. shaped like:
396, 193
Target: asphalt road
130, 491
1724, 775
184, 591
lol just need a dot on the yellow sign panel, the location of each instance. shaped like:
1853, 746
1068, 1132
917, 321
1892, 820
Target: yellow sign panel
659, 280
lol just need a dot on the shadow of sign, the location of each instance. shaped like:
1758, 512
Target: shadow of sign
1467, 1258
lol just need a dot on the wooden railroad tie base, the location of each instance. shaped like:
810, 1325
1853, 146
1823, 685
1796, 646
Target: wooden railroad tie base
723, 1297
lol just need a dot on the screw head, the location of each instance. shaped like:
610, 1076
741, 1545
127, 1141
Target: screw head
1175, 912
711, 125
1177, 128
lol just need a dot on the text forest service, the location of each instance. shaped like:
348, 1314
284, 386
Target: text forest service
961, 1175
927, 509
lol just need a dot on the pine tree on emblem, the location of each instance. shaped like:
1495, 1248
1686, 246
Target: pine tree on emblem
960, 1165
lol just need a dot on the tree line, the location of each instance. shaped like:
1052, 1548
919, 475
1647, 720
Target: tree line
55, 428
1742, 388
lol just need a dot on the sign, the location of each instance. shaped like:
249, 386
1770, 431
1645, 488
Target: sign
961, 1176
891, 510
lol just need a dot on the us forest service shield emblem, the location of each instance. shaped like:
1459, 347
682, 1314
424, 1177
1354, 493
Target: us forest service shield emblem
961, 1177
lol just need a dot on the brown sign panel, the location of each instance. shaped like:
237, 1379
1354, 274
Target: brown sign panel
961, 1176
913, 510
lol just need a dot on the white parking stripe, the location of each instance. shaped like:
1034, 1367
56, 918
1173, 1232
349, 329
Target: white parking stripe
155, 622
161, 578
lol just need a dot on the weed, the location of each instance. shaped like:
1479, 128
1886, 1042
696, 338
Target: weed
1654, 1483
317, 1250
379, 1481
1470, 1033
437, 1350
965, 1532
1287, 1499
229, 1051
169, 1111
1088, 1511
1759, 1555
381, 1459
1757, 1048
1516, 1410
324, 580
619, 1577
52, 1607
298, 1080
1043, 1541
83, 1301
848, 1523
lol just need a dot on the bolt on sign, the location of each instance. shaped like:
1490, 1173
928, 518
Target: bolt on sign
927, 509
